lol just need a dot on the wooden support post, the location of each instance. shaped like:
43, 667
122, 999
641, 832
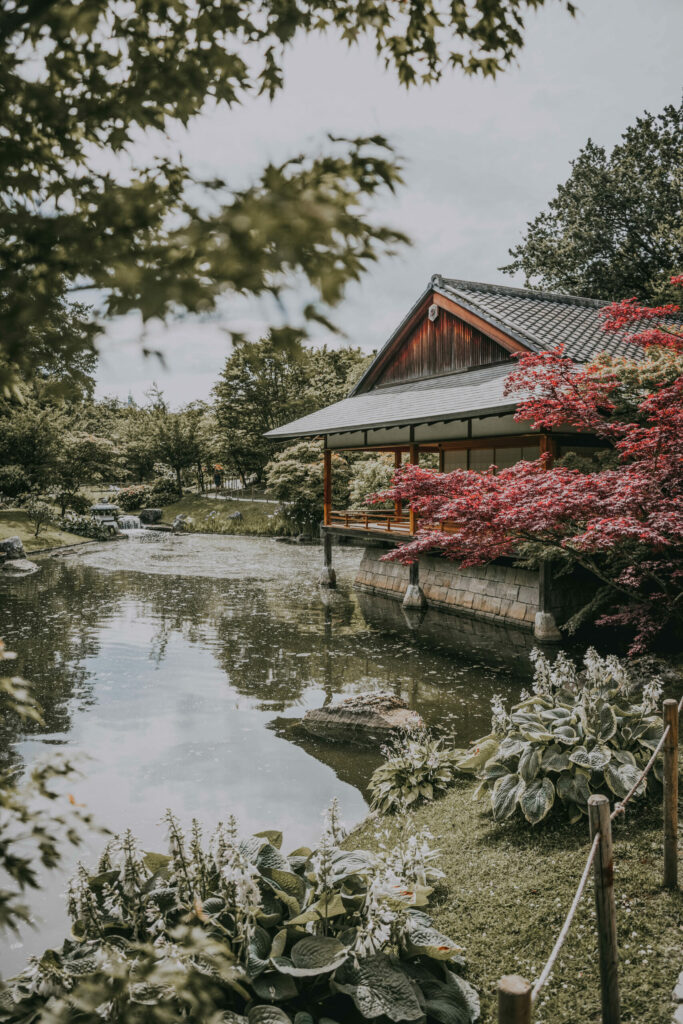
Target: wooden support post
671, 795
603, 875
547, 446
514, 1000
442, 460
327, 486
414, 598
328, 577
398, 505
415, 461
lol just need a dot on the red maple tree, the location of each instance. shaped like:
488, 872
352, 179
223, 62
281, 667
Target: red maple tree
622, 523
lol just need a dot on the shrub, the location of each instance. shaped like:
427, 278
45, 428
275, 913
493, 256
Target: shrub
13, 481
78, 503
236, 928
130, 499
417, 768
38, 513
163, 491
368, 477
575, 735
82, 526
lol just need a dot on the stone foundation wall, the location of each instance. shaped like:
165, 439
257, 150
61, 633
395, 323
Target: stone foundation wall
498, 593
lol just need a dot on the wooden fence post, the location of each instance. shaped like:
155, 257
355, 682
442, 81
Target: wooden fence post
514, 1000
603, 874
671, 795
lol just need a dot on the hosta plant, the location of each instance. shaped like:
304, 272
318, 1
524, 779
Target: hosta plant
236, 932
417, 768
577, 734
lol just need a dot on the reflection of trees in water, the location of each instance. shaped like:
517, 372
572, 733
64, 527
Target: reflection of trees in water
273, 645
51, 621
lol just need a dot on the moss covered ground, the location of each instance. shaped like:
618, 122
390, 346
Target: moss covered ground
13, 523
211, 515
507, 890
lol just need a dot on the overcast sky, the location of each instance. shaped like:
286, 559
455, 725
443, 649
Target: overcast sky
481, 158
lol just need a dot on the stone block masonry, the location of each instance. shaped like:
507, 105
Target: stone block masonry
497, 593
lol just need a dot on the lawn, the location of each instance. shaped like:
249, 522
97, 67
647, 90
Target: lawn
13, 523
507, 890
210, 515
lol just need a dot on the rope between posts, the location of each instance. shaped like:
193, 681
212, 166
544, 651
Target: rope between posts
550, 962
621, 806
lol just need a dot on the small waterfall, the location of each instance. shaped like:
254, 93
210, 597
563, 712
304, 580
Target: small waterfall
129, 523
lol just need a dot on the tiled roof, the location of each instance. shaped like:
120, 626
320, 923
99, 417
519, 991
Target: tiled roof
540, 320
454, 396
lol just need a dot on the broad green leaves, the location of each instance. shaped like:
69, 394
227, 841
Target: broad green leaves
563, 744
209, 934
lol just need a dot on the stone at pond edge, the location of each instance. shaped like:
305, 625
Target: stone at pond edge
150, 515
13, 547
20, 566
367, 721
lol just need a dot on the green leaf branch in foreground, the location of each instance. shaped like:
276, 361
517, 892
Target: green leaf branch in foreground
235, 930
36, 820
82, 82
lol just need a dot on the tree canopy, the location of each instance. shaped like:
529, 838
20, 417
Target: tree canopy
81, 82
615, 227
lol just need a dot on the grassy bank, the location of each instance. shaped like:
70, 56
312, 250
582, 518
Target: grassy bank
211, 515
506, 892
13, 523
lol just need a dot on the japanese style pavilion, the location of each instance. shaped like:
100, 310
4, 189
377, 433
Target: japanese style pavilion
437, 386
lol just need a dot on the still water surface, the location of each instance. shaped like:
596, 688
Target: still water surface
178, 666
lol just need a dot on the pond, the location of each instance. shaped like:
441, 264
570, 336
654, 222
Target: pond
177, 667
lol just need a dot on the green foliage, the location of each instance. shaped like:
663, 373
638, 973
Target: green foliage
370, 476
295, 478
270, 382
13, 481
237, 931
573, 736
162, 491
78, 503
82, 525
36, 821
38, 513
614, 227
81, 82
417, 768
130, 499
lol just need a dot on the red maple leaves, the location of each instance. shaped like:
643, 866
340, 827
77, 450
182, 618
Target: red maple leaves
624, 523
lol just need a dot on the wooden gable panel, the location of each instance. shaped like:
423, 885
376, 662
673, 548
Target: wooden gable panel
441, 346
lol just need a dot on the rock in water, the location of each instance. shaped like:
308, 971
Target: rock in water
13, 547
367, 721
20, 566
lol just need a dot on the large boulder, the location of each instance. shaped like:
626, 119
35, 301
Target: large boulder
150, 515
367, 721
12, 547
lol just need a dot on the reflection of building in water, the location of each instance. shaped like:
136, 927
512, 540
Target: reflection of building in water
473, 640
436, 390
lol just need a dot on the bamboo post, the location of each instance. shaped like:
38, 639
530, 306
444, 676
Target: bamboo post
514, 1000
603, 875
671, 795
